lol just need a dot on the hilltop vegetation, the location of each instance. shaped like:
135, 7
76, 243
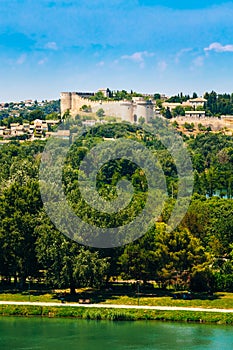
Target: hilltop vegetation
22, 112
198, 255
215, 105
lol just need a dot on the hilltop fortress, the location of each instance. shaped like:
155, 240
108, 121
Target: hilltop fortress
129, 111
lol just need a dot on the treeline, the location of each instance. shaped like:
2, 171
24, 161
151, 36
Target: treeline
212, 157
197, 255
113, 95
218, 104
215, 105
49, 110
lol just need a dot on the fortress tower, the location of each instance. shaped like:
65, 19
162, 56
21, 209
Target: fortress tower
66, 102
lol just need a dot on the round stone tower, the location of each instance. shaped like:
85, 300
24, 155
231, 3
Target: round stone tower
66, 101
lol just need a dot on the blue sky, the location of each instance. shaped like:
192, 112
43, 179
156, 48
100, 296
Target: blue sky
148, 46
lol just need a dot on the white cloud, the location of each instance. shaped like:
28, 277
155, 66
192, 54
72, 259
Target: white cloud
197, 62
100, 64
51, 45
138, 57
21, 59
162, 66
217, 47
181, 53
42, 61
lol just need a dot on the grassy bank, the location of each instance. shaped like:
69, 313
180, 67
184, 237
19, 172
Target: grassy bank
221, 300
116, 314
218, 300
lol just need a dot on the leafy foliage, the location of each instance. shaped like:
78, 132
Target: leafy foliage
197, 255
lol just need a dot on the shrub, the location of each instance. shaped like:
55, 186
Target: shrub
202, 281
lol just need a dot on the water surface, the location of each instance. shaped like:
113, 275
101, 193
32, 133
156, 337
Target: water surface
69, 334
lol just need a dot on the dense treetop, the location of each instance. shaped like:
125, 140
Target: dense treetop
196, 255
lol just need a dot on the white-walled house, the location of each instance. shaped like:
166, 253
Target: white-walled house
195, 114
197, 102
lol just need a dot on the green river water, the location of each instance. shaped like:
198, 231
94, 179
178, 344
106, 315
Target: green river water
69, 334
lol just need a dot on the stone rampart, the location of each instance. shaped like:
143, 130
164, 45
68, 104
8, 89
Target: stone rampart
129, 111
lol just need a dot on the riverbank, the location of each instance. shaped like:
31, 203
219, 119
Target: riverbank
117, 312
219, 300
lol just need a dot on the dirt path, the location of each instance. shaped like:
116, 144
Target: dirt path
115, 306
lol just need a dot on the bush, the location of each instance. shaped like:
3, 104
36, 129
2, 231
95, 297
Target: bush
202, 281
223, 282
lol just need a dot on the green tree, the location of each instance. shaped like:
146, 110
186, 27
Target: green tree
141, 120
89, 270
52, 116
86, 108
20, 205
66, 263
157, 96
66, 114
36, 114
168, 114
178, 111
178, 254
189, 126
137, 260
100, 113
194, 95
99, 96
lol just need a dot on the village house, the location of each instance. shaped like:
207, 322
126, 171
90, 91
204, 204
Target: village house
19, 131
2, 129
40, 127
195, 114
26, 127
173, 105
197, 102
13, 127
4, 132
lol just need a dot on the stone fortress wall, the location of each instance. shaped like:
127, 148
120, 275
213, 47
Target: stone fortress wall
129, 111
